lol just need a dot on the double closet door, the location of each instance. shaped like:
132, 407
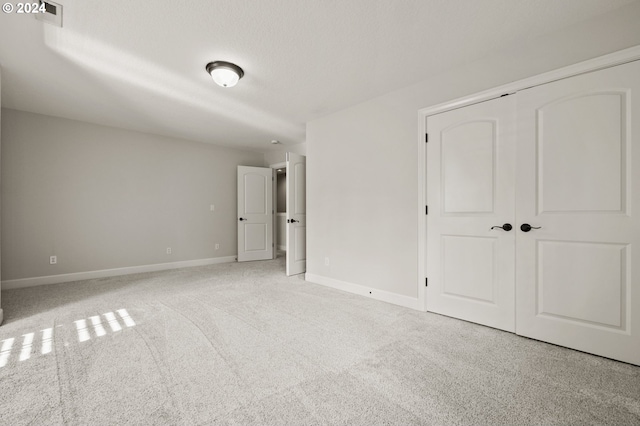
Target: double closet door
534, 213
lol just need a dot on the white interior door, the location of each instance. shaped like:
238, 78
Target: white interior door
296, 214
470, 190
255, 213
578, 276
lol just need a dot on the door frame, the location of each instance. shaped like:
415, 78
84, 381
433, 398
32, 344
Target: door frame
617, 58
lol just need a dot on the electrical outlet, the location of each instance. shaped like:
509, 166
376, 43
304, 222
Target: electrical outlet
168, 250
53, 260
217, 246
326, 261
212, 207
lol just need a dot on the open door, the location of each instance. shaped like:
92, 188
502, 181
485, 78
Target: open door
296, 214
255, 213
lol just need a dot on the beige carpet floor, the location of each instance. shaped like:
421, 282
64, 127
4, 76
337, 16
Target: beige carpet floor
243, 344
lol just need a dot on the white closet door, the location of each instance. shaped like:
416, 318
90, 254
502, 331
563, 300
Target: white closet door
255, 213
578, 174
470, 189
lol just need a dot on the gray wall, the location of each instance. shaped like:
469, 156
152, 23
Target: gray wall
281, 192
364, 217
281, 232
100, 197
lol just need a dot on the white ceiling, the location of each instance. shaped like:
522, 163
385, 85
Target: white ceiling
141, 65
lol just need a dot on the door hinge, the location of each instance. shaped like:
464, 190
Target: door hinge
426, 137
426, 209
426, 282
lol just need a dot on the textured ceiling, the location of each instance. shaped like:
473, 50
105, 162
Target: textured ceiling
140, 65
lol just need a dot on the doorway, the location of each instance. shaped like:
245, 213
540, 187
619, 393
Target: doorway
290, 218
280, 197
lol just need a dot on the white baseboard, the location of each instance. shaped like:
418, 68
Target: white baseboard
374, 293
283, 248
89, 275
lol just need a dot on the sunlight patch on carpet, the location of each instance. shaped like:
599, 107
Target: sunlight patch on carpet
84, 331
5, 351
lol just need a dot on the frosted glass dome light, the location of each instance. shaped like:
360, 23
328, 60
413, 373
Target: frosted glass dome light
225, 74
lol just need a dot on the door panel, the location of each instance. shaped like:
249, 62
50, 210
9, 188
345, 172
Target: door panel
577, 276
255, 237
468, 167
300, 238
588, 285
470, 162
296, 214
593, 150
254, 196
476, 283
255, 213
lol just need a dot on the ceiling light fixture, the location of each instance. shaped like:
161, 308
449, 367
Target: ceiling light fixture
225, 74
275, 142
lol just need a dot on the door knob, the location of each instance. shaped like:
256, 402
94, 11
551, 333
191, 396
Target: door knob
525, 227
295, 221
242, 218
507, 227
